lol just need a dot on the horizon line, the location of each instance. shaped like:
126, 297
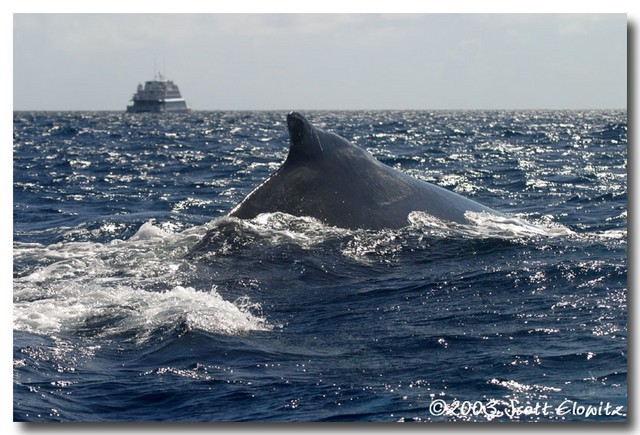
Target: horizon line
336, 110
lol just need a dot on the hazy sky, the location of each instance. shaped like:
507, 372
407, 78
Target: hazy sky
329, 61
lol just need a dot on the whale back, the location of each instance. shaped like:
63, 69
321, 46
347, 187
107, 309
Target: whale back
340, 184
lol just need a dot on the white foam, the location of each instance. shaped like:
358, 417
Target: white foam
613, 234
282, 227
149, 231
126, 310
129, 286
513, 226
487, 225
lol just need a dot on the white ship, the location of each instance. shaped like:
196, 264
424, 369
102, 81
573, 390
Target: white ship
157, 95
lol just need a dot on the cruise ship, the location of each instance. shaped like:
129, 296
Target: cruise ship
157, 95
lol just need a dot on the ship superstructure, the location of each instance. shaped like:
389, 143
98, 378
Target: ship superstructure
157, 95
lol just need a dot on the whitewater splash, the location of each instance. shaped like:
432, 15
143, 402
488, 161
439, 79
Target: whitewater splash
486, 225
308, 232
142, 285
130, 288
105, 311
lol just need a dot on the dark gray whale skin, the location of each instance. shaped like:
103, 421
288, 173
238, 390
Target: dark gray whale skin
340, 184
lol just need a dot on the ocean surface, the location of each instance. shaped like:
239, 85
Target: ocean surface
117, 318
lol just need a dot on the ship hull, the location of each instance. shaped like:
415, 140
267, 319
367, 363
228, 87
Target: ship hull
158, 107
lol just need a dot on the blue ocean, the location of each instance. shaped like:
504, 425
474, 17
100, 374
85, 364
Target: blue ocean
117, 318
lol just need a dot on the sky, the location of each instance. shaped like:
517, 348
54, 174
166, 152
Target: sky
323, 61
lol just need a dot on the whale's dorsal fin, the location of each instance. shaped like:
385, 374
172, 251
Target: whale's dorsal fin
303, 137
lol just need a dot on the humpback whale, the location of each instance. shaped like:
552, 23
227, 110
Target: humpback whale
328, 178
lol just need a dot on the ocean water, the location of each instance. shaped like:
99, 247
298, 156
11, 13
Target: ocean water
117, 318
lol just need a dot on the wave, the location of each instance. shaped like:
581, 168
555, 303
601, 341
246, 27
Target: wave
229, 234
132, 288
269, 233
307, 232
100, 311
156, 281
